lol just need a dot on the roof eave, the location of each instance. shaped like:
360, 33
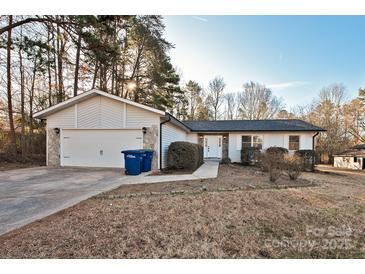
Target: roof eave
172, 119
83, 96
259, 130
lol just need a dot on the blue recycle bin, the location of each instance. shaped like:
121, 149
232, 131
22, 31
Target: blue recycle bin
147, 160
133, 161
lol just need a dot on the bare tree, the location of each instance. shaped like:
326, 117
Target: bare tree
215, 95
256, 102
354, 119
231, 105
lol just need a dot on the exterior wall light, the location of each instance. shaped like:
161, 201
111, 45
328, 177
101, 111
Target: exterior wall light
57, 130
144, 130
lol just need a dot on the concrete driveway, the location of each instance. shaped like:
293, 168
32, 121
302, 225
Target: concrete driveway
33, 193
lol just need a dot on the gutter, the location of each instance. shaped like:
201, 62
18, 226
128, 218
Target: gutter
313, 138
164, 122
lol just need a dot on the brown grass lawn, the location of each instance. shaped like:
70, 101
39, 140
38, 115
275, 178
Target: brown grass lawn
236, 216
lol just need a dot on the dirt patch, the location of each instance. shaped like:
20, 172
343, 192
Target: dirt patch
9, 166
169, 172
265, 223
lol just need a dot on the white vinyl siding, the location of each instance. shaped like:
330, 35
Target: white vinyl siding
170, 134
138, 117
270, 139
100, 112
348, 162
63, 119
88, 113
192, 138
111, 113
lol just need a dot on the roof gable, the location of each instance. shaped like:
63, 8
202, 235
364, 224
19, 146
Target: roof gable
87, 95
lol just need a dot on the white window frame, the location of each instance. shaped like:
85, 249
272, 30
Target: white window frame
299, 142
252, 142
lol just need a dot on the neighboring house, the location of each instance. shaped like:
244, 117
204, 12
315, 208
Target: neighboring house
93, 128
353, 158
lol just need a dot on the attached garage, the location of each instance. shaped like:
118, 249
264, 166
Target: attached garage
91, 130
98, 147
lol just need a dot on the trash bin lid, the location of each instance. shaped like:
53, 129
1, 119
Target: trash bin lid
133, 151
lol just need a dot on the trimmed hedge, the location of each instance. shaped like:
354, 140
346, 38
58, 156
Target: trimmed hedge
250, 156
277, 150
185, 155
308, 156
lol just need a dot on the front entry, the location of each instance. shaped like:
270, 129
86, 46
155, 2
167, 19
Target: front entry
213, 146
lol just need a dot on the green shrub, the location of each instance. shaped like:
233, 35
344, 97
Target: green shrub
293, 166
250, 155
184, 155
308, 158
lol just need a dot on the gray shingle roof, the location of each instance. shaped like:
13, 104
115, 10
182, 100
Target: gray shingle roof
251, 125
360, 146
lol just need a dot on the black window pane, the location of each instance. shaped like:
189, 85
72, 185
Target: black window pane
245, 145
294, 139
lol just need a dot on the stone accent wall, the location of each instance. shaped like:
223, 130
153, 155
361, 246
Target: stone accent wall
225, 146
151, 141
53, 148
201, 139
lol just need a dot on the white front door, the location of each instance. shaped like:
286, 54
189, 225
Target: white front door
97, 147
212, 146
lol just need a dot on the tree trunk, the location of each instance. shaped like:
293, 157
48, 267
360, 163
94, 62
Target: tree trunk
31, 97
77, 65
49, 69
95, 75
55, 66
60, 50
22, 97
113, 79
10, 104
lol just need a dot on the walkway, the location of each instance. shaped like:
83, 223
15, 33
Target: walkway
208, 170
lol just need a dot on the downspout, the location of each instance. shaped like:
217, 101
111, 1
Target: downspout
313, 139
164, 122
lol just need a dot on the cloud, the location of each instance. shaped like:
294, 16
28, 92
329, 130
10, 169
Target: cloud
202, 19
285, 85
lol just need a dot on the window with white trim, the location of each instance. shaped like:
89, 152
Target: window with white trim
294, 142
257, 141
246, 141
252, 141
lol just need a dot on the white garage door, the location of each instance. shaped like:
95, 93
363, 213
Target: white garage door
97, 148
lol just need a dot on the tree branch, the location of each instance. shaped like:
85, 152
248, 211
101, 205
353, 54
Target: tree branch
33, 19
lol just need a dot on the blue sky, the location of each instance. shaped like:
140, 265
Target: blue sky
293, 55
